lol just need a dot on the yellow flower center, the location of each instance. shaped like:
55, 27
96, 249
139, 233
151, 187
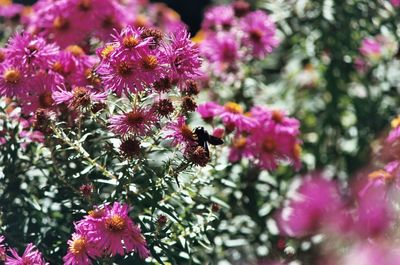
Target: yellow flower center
78, 246
124, 69
130, 42
115, 223
381, 174
75, 50
106, 51
149, 62
240, 142
12, 76
395, 122
60, 24
233, 107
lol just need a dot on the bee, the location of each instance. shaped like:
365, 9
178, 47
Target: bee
203, 138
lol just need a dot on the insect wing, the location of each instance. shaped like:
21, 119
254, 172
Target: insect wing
215, 140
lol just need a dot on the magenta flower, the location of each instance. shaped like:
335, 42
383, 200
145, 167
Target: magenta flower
114, 232
183, 57
260, 33
2, 247
317, 203
209, 110
222, 51
31, 256
179, 132
395, 3
232, 116
371, 48
219, 18
13, 81
78, 97
139, 122
39, 95
31, 52
11, 10
81, 251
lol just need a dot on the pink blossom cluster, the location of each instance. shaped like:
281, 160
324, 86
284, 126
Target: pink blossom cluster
264, 136
233, 35
31, 255
395, 3
61, 21
105, 232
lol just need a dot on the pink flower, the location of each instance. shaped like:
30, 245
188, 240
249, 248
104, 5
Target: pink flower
183, 57
395, 3
39, 94
317, 203
31, 52
78, 97
232, 116
11, 10
218, 18
139, 121
81, 250
13, 81
114, 232
260, 33
222, 50
179, 132
2, 247
209, 110
372, 253
371, 48
31, 256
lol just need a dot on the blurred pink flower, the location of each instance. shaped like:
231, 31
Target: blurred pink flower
31, 256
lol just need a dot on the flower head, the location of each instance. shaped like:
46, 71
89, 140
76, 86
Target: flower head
139, 121
260, 33
31, 256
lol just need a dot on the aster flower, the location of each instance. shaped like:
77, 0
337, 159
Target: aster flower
13, 81
394, 134
219, 18
371, 48
317, 203
179, 132
232, 116
31, 52
116, 233
81, 250
31, 256
78, 97
139, 121
209, 110
128, 42
395, 3
222, 51
182, 55
239, 149
40, 93
10, 10
277, 118
259, 33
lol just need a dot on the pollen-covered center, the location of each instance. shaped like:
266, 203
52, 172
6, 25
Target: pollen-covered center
134, 118
256, 35
124, 69
75, 50
233, 107
61, 24
78, 246
81, 97
149, 62
115, 223
85, 5
240, 142
12, 76
130, 42
45, 100
269, 145
186, 132
106, 51
277, 116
